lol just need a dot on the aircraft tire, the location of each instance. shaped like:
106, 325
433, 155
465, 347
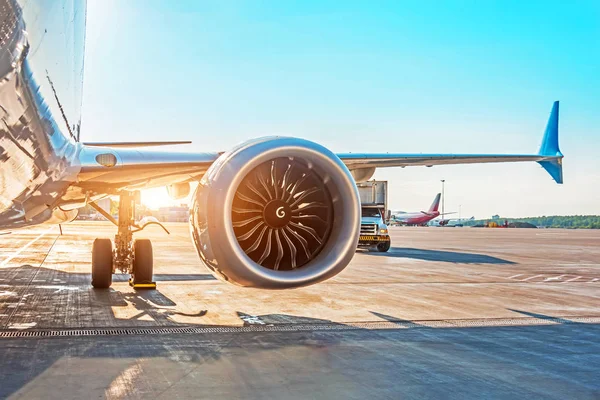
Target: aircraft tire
102, 263
143, 262
383, 247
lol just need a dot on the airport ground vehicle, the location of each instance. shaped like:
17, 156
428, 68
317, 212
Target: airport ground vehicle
373, 203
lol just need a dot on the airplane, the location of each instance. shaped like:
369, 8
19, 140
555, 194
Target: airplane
451, 222
420, 218
273, 212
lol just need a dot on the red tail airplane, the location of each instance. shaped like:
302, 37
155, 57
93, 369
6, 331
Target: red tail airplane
421, 217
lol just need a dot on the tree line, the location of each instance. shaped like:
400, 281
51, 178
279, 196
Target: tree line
553, 221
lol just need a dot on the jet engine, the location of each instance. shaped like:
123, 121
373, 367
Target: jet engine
276, 213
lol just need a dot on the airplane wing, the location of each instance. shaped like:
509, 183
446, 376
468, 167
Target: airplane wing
548, 156
439, 215
119, 167
105, 168
136, 144
382, 160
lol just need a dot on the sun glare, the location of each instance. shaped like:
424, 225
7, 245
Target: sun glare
158, 197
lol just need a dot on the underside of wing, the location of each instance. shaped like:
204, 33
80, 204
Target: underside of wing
108, 169
381, 160
363, 166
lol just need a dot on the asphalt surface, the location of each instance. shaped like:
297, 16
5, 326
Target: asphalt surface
447, 313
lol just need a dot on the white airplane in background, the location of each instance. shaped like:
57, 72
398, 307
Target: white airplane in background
450, 222
273, 212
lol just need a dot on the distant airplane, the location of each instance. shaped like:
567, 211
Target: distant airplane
273, 212
421, 217
451, 222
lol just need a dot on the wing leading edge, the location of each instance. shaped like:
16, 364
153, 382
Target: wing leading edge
141, 169
548, 156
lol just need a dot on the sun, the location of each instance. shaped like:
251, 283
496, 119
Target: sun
156, 198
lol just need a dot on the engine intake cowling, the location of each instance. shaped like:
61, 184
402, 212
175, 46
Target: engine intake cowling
276, 213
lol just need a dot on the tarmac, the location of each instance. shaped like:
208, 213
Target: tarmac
447, 313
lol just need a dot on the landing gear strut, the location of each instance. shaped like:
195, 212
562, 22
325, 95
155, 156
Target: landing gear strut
129, 256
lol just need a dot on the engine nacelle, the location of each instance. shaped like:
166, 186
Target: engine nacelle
276, 213
362, 174
178, 191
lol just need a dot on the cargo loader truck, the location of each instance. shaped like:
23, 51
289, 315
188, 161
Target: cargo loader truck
374, 233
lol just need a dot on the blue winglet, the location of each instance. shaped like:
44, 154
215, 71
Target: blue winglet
550, 147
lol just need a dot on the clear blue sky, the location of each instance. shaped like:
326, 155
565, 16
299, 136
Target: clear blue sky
438, 76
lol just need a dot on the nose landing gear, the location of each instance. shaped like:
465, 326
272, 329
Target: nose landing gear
129, 256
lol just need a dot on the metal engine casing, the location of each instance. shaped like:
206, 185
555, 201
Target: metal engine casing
178, 191
211, 214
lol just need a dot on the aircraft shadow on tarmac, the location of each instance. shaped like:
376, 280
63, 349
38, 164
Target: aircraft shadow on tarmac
44, 274
438, 255
150, 305
286, 319
34, 292
29, 364
28, 290
21, 369
395, 320
423, 358
545, 317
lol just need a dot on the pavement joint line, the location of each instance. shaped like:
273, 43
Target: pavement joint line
554, 278
531, 277
25, 247
14, 310
299, 327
